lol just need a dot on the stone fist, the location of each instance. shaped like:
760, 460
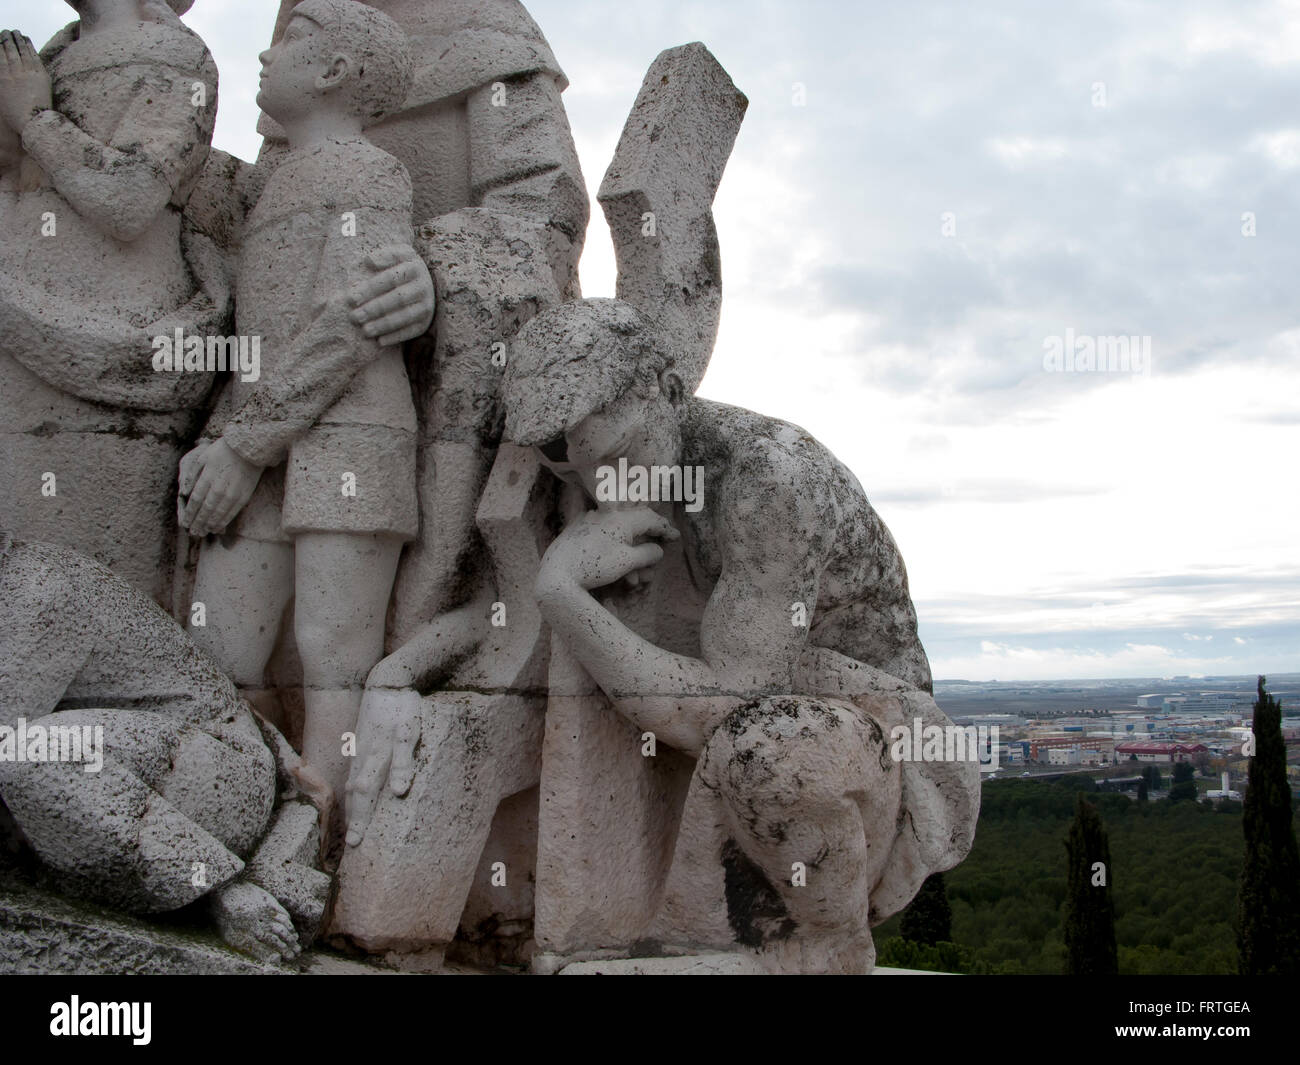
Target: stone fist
603, 546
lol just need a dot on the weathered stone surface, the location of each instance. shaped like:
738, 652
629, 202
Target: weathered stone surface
286, 865
603, 724
728, 661
42, 934
658, 198
171, 788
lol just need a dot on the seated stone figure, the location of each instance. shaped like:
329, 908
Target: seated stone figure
183, 805
755, 636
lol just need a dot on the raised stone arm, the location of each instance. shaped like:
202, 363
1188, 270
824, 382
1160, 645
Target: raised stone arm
388, 724
157, 149
25, 89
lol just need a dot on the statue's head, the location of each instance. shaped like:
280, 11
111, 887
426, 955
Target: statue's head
149, 9
587, 383
341, 51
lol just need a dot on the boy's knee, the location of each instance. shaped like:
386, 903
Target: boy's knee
331, 654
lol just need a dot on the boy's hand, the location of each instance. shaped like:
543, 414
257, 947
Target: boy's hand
396, 304
388, 727
222, 483
24, 81
191, 467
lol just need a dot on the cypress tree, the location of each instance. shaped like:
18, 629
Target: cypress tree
1268, 897
928, 918
1090, 912
1142, 790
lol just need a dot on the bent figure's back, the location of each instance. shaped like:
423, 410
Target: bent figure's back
766, 479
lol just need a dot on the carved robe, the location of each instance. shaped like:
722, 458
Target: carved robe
97, 263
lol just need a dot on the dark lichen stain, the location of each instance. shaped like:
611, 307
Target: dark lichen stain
755, 912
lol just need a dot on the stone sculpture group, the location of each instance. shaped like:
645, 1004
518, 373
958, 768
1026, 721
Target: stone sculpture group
422, 607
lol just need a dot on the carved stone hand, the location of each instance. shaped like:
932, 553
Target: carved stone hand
603, 546
24, 82
387, 729
396, 304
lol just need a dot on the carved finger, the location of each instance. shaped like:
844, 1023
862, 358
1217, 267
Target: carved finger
380, 305
224, 515
418, 327
31, 57
405, 323
389, 255
402, 773
10, 50
645, 522
212, 505
645, 555
365, 292
196, 501
191, 467
362, 794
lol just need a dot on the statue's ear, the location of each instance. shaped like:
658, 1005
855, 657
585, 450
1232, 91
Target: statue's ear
340, 67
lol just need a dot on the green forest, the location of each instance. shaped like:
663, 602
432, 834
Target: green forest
1175, 868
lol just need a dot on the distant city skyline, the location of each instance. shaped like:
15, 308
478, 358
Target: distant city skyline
929, 204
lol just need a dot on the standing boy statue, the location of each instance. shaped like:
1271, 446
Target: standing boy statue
310, 470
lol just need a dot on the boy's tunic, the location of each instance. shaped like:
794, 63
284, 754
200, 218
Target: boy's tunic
329, 401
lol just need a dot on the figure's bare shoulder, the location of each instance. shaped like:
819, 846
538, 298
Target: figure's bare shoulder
776, 485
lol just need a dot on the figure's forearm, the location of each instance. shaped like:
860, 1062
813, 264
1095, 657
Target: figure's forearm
678, 698
121, 193
313, 372
431, 649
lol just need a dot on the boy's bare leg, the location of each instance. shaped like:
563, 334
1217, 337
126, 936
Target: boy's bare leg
342, 585
244, 586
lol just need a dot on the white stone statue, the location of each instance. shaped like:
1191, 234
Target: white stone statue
619, 666
96, 262
309, 471
178, 802
119, 223
730, 660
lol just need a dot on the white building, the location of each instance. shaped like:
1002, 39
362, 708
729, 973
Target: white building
1224, 792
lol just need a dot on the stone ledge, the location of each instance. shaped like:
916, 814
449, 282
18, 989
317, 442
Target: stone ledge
40, 933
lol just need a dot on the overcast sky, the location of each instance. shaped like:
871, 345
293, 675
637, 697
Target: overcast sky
921, 197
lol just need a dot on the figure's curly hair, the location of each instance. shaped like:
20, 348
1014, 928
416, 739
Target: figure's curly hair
574, 359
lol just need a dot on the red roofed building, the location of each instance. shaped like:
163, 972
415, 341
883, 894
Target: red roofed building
1157, 751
